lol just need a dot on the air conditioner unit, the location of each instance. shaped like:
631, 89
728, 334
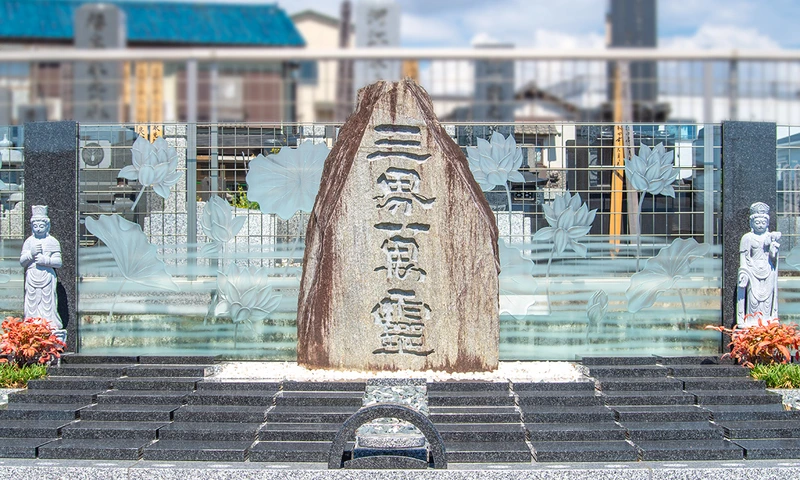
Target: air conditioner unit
95, 154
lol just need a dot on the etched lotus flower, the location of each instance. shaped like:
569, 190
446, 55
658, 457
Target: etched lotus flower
219, 224
154, 165
245, 294
661, 272
596, 309
495, 163
652, 171
569, 219
287, 182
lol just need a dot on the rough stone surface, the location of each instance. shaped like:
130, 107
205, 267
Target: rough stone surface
401, 262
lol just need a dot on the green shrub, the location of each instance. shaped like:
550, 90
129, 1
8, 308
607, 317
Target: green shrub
779, 375
15, 376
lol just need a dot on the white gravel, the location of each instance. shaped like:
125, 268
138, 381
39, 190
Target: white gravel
513, 371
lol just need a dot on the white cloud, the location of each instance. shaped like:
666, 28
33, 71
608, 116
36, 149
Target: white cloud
721, 37
420, 30
565, 41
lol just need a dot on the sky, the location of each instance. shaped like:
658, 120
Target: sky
686, 24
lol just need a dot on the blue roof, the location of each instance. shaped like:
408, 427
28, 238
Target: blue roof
158, 22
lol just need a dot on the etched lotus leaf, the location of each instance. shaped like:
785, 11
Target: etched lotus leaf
597, 307
287, 182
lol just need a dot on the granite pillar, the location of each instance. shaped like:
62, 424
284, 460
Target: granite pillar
51, 178
748, 176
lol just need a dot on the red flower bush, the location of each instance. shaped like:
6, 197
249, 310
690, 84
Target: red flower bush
767, 343
29, 341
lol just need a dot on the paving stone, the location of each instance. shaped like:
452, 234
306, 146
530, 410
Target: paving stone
644, 431
220, 413
647, 398
314, 414
176, 359
106, 449
32, 428
744, 397
592, 360
197, 451
209, 431
640, 385
762, 429
489, 414
170, 370
89, 370
611, 451
309, 398
627, 371
22, 447
128, 413
488, 452
536, 414
708, 371
553, 386
250, 398
74, 359
771, 411
772, 448
53, 396
469, 398
72, 383
111, 430
291, 386
180, 384
481, 432
465, 386
279, 452
722, 383
217, 386
571, 432
296, 432
558, 399
676, 413
142, 397
688, 360
686, 450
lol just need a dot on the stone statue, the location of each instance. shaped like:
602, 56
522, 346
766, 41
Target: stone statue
41, 254
757, 290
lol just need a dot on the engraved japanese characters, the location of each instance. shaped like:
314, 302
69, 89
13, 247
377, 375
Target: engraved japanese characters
401, 258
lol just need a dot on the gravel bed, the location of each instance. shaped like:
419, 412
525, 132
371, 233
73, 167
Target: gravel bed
791, 396
507, 371
4, 394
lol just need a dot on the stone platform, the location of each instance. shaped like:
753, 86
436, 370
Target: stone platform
627, 411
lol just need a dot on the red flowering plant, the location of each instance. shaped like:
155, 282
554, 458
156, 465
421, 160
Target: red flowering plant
29, 341
768, 342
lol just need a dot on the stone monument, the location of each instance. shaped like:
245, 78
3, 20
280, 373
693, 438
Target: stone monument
41, 255
757, 287
401, 262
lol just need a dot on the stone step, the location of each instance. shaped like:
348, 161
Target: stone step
223, 386
314, 398
474, 415
685, 450
676, 413
296, 386
321, 414
89, 370
158, 370
197, 451
209, 431
451, 399
762, 429
772, 411
178, 384
641, 385
688, 360
290, 452
535, 414
648, 398
481, 432
20, 447
467, 386
488, 452
298, 432
41, 411
250, 398
651, 431
92, 430
72, 383
726, 397
81, 359
54, 396
708, 371
128, 413
554, 386
220, 413
610, 451
142, 397
722, 383
106, 449
593, 360
574, 432
177, 359
32, 429
627, 371
559, 399
770, 448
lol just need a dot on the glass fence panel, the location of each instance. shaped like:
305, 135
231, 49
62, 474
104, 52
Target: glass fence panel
12, 211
